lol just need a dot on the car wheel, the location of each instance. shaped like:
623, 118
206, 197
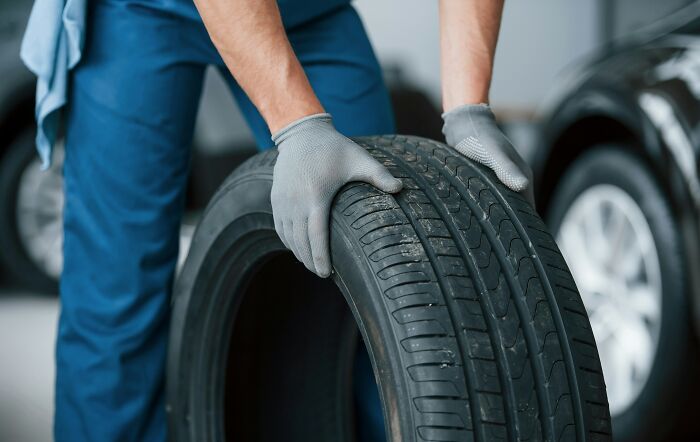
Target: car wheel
472, 322
615, 228
31, 215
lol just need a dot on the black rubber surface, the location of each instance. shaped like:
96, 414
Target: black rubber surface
473, 323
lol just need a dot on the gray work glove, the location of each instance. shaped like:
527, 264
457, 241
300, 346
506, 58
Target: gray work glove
313, 163
472, 131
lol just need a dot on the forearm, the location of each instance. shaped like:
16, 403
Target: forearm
252, 42
468, 36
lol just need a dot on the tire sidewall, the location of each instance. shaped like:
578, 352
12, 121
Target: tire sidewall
194, 316
246, 196
617, 166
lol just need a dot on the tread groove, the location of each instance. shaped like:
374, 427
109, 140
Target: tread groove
478, 431
561, 328
510, 409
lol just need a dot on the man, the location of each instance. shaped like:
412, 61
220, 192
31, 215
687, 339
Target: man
302, 70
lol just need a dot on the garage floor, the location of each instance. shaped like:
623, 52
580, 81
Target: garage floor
27, 334
27, 338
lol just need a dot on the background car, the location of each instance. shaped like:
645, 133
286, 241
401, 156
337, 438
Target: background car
617, 183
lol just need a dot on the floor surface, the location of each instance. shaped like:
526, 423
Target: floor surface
27, 338
27, 335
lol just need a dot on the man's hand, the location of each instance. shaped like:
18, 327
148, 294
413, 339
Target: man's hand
468, 36
313, 163
472, 131
314, 160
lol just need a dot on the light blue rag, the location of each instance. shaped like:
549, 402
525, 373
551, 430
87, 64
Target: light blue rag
51, 46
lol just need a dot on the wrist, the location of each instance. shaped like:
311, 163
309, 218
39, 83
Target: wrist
282, 117
318, 121
467, 109
459, 122
288, 96
452, 101
466, 112
460, 91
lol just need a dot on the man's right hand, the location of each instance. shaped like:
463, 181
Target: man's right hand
314, 162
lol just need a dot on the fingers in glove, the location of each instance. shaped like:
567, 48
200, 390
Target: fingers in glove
515, 176
319, 240
508, 172
277, 211
279, 228
288, 239
512, 178
302, 250
379, 176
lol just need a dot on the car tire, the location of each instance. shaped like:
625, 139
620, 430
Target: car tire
660, 409
473, 324
14, 256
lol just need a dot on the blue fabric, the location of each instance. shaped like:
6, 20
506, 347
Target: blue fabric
368, 406
53, 45
129, 122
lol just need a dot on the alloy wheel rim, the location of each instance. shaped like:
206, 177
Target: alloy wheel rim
609, 247
39, 213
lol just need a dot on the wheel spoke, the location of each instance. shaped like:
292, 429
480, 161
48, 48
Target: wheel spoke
39, 212
618, 372
577, 254
642, 301
594, 225
608, 245
630, 263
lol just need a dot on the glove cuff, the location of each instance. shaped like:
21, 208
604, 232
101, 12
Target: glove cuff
315, 121
462, 117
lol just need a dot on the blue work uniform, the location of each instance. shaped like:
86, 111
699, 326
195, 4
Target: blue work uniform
131, 102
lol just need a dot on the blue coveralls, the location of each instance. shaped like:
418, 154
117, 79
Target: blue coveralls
131, 108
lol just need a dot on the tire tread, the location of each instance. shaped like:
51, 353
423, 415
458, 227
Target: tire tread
483, 304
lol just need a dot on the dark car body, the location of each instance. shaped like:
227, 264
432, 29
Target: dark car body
643, 92
17, 84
